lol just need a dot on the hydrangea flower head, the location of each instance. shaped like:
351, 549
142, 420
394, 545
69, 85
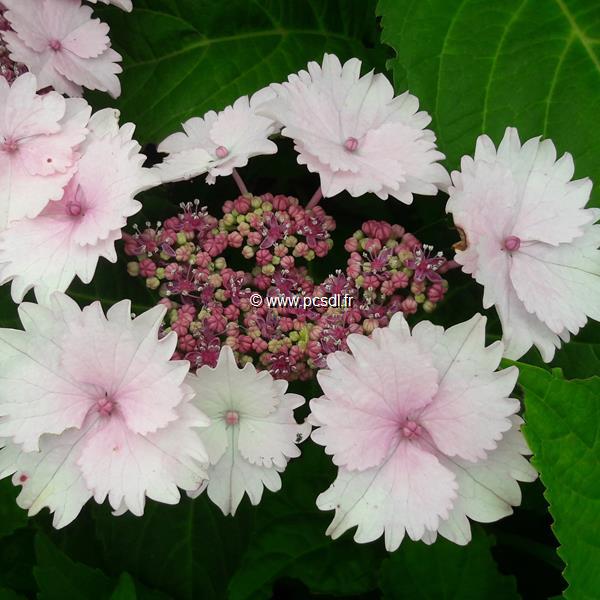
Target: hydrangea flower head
252, 434
529, 240
63, 46
68, 237
423, 431
356, 134
217, 143
39, 136
92, 406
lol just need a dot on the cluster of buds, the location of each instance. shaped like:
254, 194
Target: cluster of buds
9, 69
275, 231
394, 271
188, 259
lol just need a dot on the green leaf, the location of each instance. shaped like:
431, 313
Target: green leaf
562, 427
125, 589
7, 594
289, 539
187, 57
296, 546
580, 358
58, 577
188, 551
445, 571
11, 516
479, 66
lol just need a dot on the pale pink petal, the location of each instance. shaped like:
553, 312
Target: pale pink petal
62, 45
36, 395
471, 409
231, 478
45, 131
134, 363
252, 433
530, 240
89, 40
561, 285
271, 441
184, 165
126, 467
488, 489
218, 142
49, 478
351, 131
409, 493
98, 73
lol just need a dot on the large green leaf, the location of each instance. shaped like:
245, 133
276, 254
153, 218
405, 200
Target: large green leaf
187, 551
59, 577
185, 57
289, 539
296, 546
445, 571
479, 66
562, 428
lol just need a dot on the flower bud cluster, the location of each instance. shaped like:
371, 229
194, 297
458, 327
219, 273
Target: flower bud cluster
188, 259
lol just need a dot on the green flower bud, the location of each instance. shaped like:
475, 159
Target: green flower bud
133, 268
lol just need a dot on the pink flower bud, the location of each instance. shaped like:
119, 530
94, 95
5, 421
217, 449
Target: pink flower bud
254, 238
263, 257
235, 239
351, 244
231, 312
400, 280
409, 306
244, 343
186, 343
259, 345
147, 268
372, 245
287, 262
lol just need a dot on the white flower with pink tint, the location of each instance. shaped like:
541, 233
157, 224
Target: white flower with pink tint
423, 431
355, 134
92, 406
252, 434
39, 137
220, 142
124, 4
69, 236
529, 240
62, 45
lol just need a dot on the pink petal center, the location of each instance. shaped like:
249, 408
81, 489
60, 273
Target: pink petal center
512, 243
411, 429
75, 207
9, 145
105, 405
351, 144
232, 417
55, 45
221, 152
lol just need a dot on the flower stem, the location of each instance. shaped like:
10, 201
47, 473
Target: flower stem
315, 198
240, 182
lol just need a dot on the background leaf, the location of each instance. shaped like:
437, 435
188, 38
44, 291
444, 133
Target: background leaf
562, 428
202, 55
445, 571
189, 550
289, 540
59, 577
479, 66
11, 516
